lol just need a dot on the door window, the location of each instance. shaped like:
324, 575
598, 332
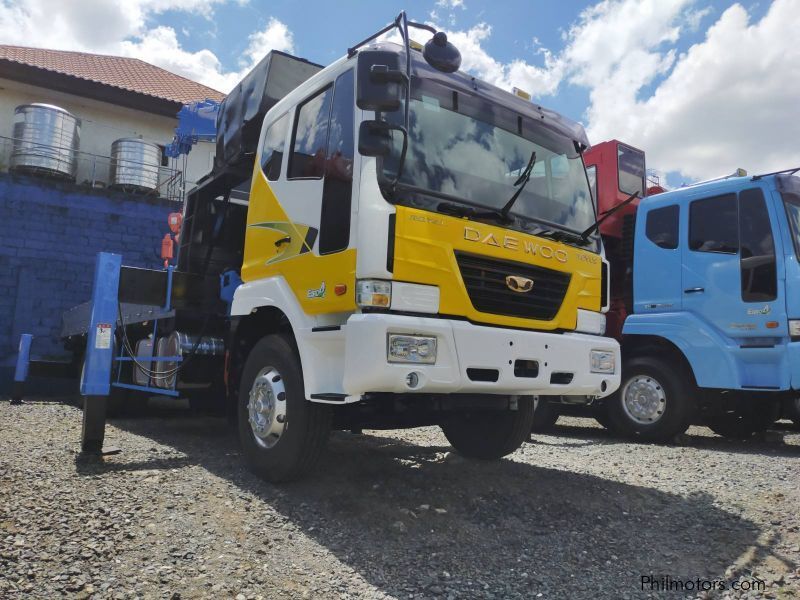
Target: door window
272, 151
338, 187
310, 137
631, 170
662, 227
714, 225
759, 271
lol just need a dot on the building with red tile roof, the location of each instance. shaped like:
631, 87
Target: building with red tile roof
108, 78
113, 96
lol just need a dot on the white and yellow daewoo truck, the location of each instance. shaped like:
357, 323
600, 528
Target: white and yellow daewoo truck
417, 248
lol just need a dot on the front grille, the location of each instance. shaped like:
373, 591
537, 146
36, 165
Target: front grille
485, 280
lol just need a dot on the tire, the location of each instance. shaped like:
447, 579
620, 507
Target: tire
659, 403
544, 416
490, 434
292, 432
746, 421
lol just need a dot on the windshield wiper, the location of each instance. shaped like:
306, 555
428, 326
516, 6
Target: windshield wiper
563, 236
520, 184
592, 228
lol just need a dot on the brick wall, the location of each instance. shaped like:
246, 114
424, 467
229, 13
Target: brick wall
50, 233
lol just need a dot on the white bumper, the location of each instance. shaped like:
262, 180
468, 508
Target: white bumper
463, 346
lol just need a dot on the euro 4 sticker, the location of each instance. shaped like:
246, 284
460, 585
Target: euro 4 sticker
317, 293
759, 311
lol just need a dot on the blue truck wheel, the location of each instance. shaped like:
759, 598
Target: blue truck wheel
653, 402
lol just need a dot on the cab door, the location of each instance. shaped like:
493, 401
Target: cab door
302, 228
729, 274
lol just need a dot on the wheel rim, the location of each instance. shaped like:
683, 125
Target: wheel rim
266, 407
643, 399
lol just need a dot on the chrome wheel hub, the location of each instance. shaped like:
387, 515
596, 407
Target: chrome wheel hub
644, 399
266, 407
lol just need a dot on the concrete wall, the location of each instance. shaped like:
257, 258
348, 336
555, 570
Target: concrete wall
101, 124
49, 236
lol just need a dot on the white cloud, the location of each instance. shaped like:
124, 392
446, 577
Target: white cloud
728, 101
124, 28
451, 4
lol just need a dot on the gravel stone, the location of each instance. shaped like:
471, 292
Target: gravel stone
574, 514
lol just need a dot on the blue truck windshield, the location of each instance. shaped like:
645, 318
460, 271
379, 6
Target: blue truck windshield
475, 152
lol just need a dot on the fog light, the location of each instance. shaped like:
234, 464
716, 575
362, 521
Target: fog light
411, 349
373, 292
412, 380
602, 361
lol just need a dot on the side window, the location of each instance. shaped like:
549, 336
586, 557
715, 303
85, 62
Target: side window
759, 271
662, 227
630, 165
591, 173
338, 187
714, 225
272, 152
310, 136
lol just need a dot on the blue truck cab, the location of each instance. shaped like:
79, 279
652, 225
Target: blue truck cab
713, 334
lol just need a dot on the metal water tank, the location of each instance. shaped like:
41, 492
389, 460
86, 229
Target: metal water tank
46, 140
135, 164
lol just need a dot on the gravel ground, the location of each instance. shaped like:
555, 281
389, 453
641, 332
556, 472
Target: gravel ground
576, 514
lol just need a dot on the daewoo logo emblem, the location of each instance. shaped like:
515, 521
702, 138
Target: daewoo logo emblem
519, 284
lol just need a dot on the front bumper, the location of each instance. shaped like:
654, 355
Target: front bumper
563, 359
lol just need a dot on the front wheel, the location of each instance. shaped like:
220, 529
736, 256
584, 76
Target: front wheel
653, 402
281, 433
490, 434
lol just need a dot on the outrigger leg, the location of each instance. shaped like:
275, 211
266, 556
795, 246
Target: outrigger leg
96, 377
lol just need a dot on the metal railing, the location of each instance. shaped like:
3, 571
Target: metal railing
95, 171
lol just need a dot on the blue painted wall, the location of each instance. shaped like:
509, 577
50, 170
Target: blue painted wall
50, 233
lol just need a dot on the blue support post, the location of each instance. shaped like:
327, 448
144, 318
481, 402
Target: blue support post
96, 378
21, 372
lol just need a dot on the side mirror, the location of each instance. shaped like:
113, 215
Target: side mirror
375, 138
380, 81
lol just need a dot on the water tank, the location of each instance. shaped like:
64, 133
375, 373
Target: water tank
46, 140
135, 164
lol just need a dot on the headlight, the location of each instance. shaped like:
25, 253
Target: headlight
411, 349
794, 327
603, 361
373, 292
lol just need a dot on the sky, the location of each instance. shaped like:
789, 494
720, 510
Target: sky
702, 86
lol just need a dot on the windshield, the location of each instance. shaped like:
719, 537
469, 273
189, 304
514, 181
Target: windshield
474, 152
792, 203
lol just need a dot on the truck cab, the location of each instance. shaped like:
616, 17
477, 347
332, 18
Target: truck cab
712, 336
411, 295
398, 244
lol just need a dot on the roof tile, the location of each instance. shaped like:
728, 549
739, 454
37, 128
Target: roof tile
129, 74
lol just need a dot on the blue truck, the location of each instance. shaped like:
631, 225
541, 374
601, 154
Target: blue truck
705, 300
